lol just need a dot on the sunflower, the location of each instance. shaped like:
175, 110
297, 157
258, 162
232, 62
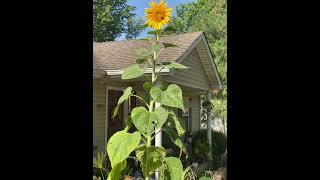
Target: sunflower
157, 14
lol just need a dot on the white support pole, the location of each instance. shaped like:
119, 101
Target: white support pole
209, 126
106, 118
158, 143
158, 136
158, 140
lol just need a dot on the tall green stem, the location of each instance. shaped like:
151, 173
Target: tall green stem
153, 79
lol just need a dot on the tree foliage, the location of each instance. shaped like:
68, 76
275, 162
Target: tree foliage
111, 18
209, 16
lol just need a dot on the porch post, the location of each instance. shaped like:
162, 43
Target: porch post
158, 136
106, 118
209, 126
158, 139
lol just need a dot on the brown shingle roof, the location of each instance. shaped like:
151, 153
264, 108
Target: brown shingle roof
121, 54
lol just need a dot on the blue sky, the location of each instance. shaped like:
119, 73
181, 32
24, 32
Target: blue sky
142, 4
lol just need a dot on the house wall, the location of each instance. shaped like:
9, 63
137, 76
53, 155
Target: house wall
99, 103
99, 109
195, 105
195, 76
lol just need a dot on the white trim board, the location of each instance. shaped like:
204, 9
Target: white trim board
212, 62
147, 71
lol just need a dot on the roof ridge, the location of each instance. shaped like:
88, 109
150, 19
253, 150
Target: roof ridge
121, 54
167, 35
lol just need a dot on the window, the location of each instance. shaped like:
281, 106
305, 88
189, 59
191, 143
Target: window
186, 116
132, 103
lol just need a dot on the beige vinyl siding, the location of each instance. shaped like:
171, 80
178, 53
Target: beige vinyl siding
195, 105
195, 76
99, 99
202, 50
99, 102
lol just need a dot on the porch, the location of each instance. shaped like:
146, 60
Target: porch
106, 95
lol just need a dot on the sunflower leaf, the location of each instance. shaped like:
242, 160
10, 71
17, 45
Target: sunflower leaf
166, 45
174, 65
132, 72
143, 55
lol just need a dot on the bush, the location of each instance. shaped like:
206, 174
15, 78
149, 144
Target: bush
219, 146
200, 146
219, 143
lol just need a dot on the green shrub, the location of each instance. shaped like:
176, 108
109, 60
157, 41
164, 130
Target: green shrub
219, 143
219, 146
200, 146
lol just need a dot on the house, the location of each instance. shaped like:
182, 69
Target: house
110, 58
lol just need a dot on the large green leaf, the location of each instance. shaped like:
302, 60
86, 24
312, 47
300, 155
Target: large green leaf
143, 55
116, 171
132, 72
166, 45
155, 92
175, 168
177, 121
146, 122
147, 86
160, 116
154, 158
129, 124
176, 139
126, 94
121, 144
141, 119
141, 60
171, 97
175, 65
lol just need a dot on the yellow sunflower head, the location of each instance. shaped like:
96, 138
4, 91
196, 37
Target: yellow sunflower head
157, 14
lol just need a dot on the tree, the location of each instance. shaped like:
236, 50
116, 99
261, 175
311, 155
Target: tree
209, 16
134, 27
111, 18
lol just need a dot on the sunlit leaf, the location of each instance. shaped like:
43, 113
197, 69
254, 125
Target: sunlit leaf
132, 72
171, 97
174, 65
121, 144
126, 94
116, 170
176, 139
175, 168
167, 45
146, 121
